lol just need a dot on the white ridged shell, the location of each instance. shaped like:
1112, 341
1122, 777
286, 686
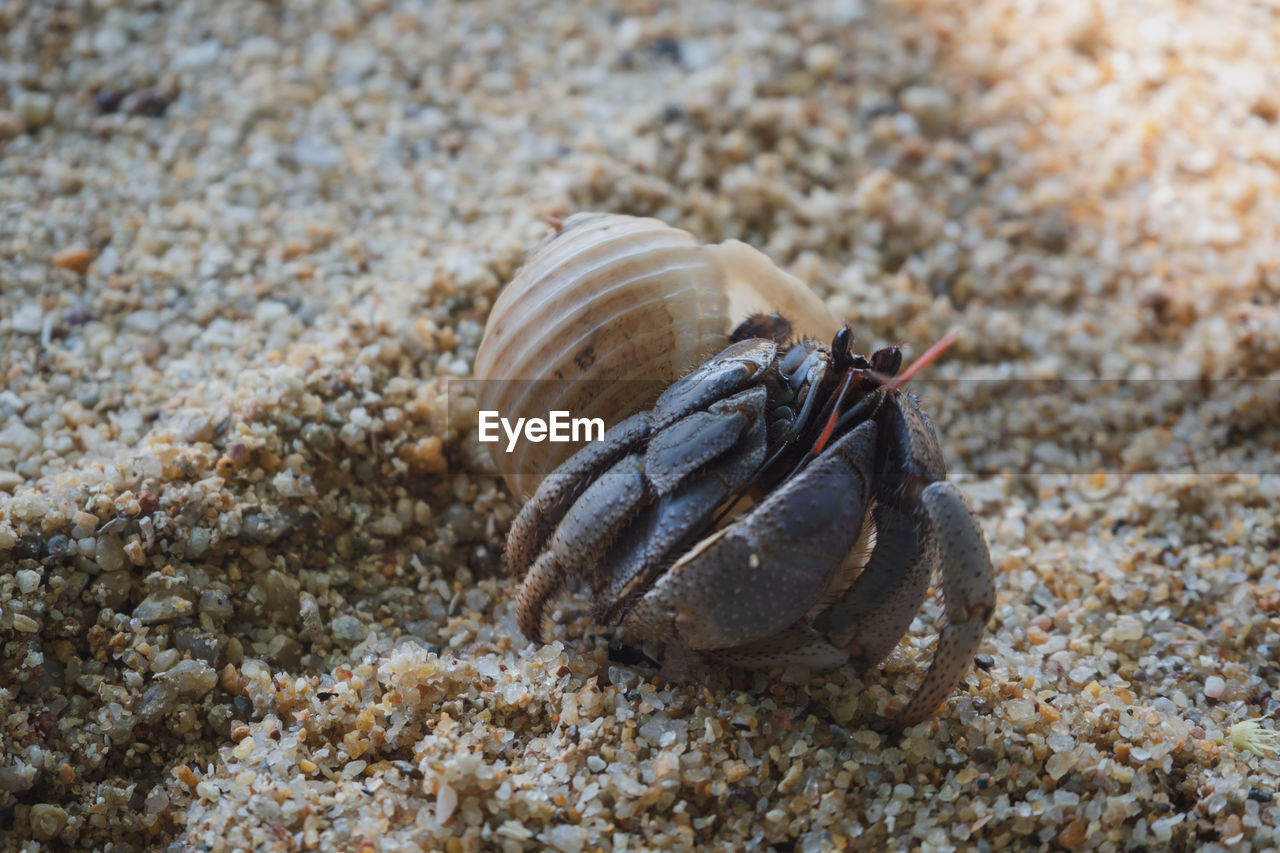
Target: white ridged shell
613, 298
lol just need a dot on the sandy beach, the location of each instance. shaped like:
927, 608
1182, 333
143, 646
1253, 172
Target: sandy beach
244, 604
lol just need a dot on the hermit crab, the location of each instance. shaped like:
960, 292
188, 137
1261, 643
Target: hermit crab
783, 500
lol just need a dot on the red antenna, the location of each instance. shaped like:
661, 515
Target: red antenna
890, 384
924, 360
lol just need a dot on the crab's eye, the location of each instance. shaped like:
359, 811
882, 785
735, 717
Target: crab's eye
842, 349
887, 361
843, 341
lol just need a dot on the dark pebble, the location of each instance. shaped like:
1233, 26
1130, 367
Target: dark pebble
28, 547
58, 546
264, 528
151, 102
202, 646
984, 662
485, 563
629, 655
1052, 232
77, 315
243, 707
107, 100
983, 754
1260, 796
467, 524
667, 48
317, 436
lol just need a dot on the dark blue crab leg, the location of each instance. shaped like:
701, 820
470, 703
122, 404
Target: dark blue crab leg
557, 492
653, 541
582, 537
761, 574
876, 611
915, 485
970, 594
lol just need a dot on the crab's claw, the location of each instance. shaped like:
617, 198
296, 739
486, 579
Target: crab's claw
970, 593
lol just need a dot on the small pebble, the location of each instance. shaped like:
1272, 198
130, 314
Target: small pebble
10, 125
348, 628
446, 803
28, 318
47, 821
161, 607
74, 258
821, 59
165, 660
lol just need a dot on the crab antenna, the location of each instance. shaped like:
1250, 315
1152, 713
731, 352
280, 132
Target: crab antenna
923, 361
821, 443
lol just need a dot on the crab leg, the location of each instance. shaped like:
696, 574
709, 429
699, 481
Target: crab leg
969, 590
540, 515
876, 611
672, 523
759, 575
582, 538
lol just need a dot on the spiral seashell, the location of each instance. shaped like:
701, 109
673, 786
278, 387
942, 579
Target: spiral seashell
611, 299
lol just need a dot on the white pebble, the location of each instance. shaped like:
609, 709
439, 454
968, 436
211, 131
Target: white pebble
565, 838
1058, 765
147, 322
446, 803
1213, 686
821, 59
1021, 712
108, 41
196, 57
165, 660
550, 652
930, 105
28, 319
320, 153
1163, 828
1128, 628
349, 628
34, 108
1061, 742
